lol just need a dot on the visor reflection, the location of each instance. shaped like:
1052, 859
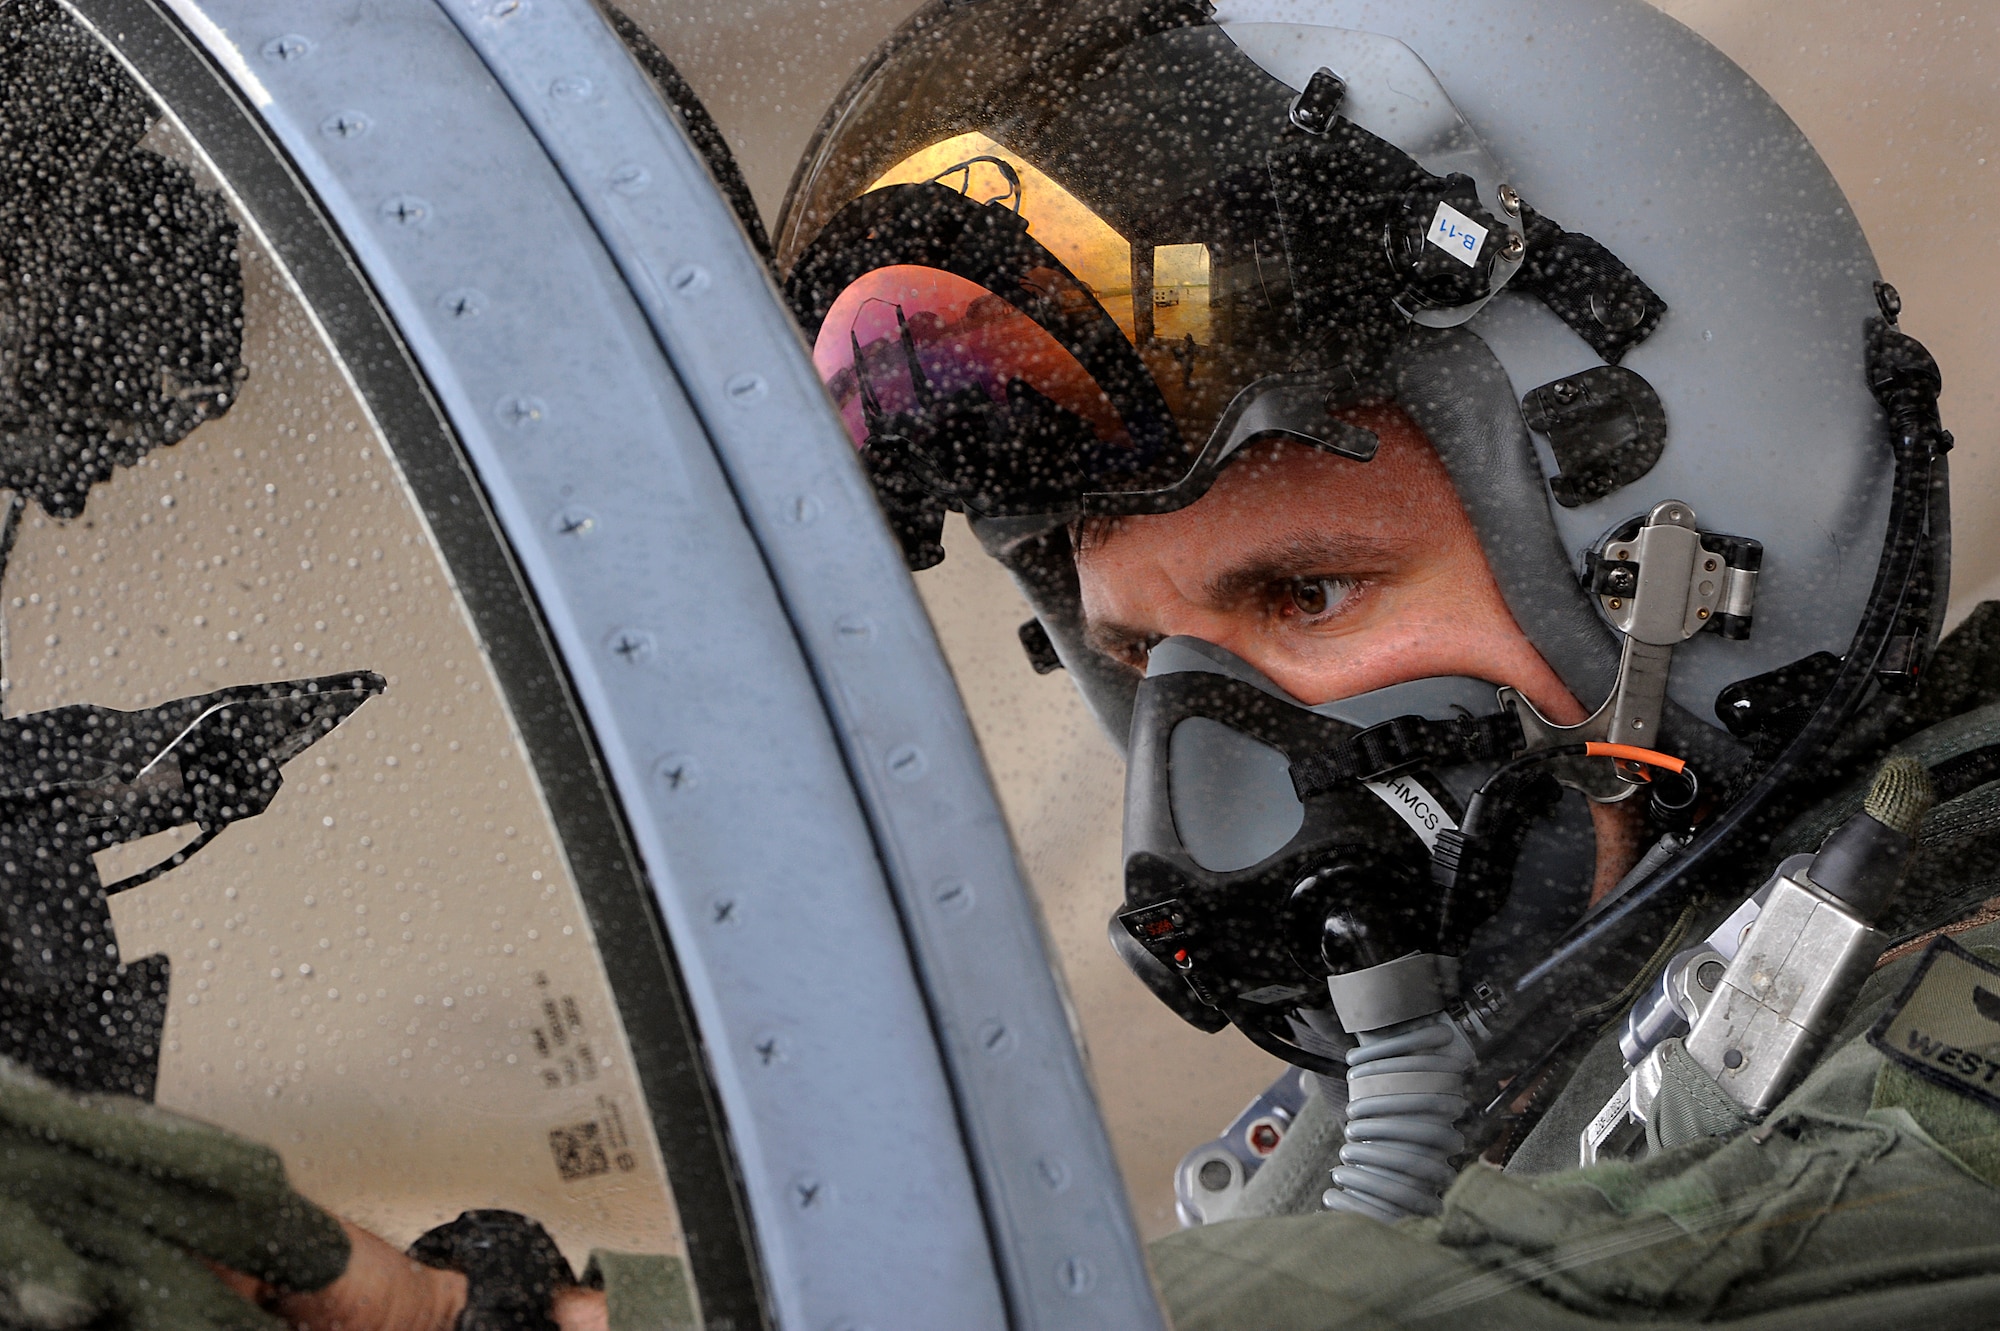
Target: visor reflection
903, 336
1085, 242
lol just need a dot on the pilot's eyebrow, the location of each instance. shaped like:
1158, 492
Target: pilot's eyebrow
1299, 557
1326, 555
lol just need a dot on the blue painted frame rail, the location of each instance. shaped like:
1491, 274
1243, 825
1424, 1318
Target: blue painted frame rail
917, 1140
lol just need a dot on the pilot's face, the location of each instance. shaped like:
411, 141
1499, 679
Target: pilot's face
1332, 577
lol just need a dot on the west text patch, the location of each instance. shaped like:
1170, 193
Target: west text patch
1945, 1025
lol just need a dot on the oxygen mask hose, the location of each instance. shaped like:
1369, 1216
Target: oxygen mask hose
1406, 1088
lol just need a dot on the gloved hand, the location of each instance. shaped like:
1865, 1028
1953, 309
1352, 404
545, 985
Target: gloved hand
111, 1211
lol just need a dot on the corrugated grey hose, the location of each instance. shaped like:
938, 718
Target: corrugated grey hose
1405, 1093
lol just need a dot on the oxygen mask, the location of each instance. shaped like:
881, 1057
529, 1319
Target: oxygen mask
1270, 845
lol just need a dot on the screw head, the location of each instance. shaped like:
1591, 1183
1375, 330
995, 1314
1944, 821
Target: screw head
291, 46
1510, 200
1515, 247
463, 303
520, 411
678, 772
406, 210
996, 1039
345, 125
632, 646
1076, 1276
1888, 301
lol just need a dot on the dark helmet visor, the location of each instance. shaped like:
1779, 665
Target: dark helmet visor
1224, 255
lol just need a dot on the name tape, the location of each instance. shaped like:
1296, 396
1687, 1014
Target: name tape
1945, 1025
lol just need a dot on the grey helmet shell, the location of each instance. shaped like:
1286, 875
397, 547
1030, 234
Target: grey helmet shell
1631, 128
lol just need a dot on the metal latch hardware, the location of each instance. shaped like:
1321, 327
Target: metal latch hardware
1659, 583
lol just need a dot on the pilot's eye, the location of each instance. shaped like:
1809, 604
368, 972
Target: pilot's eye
1313, 597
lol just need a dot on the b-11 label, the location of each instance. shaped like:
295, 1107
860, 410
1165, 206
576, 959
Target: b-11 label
1456, 234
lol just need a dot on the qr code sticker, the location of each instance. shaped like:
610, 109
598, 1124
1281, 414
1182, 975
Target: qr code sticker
579, 1152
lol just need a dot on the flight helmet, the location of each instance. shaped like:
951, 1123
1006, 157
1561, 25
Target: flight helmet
1066, 260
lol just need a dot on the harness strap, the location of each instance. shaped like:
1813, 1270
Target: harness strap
1404, 742
1587, 287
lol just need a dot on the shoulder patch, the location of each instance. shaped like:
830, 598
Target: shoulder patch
1945, 1025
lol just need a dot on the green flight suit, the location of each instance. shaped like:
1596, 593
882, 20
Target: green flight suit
111, 1210
1866, 1199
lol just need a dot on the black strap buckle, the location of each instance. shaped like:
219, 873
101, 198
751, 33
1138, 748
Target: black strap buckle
1406, 742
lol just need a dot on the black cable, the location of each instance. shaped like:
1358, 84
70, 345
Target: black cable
1966, 772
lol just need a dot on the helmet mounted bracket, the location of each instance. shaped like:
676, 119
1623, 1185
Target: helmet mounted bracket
1659, 581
